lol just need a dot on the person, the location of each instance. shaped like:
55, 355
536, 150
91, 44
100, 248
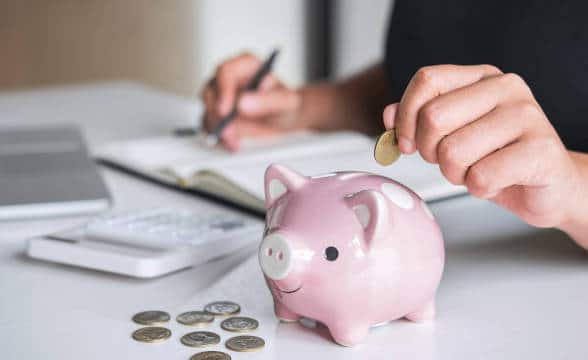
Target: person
508, 122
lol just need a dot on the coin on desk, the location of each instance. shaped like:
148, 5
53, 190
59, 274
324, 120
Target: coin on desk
151, 334
200, 339
239, 324
152, 317
222, 308
386, 151
245, 343
211, 355
195, 318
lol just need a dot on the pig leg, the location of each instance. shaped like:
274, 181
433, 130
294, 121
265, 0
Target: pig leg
284, 314
348, 333
426, 313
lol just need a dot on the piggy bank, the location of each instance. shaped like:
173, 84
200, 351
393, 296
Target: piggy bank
350, 250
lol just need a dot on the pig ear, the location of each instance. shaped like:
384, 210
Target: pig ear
280, 180
371, 210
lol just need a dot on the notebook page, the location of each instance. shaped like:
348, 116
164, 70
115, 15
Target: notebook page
158, 152
188, 154
262, 153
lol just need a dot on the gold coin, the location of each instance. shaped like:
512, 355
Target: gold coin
211, 355
195, 318
151, 334
386, 151
245, 343
239, 324
200, 339
222, 308
152, 317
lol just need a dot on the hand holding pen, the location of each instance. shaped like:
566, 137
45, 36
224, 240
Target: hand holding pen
245, 99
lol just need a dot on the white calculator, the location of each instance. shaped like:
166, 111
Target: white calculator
149, 243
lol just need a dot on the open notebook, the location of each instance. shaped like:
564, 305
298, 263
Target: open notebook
238, 177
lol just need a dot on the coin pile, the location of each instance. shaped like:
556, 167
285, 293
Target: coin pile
386, 151
153, 331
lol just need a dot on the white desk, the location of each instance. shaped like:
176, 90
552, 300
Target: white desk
509, 291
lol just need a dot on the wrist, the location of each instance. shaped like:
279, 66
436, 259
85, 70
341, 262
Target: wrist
355, 103
318, 108
575, 223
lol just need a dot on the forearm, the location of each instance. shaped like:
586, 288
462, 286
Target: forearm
354, 104
576, 223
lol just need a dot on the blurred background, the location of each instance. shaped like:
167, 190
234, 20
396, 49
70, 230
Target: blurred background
175, 45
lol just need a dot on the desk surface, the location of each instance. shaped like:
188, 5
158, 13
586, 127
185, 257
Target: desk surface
508, 292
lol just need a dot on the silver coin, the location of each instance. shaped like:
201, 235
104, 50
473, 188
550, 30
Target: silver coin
240, 324
211, 355
200, 339
245, 343
152, 317
222, 308
195, 318
151, 334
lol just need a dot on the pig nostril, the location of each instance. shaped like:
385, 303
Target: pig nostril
270, 252
280, 256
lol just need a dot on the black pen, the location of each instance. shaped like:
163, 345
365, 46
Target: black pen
213, 137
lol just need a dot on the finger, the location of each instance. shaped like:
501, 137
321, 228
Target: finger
240, 128
210, 85
389, 115
495, 130
210, 115
231, 76
230, 137
269, 82
262, 104
454, 109
426, 84
515, 164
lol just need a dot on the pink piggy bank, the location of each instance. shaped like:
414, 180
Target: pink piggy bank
350, 250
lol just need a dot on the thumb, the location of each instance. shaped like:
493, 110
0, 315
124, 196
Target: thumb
267, 103
389, 115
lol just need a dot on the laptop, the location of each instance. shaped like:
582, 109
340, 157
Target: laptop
48, 172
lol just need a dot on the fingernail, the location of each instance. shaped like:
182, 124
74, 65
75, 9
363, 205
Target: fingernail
406, 146
247, 103
491, 195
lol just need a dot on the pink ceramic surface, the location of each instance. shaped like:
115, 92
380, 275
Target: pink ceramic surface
350, 250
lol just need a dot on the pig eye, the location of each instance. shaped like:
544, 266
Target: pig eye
331, 253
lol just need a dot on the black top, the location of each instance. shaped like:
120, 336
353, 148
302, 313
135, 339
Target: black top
546, 42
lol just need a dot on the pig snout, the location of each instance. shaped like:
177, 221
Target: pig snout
275, 257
